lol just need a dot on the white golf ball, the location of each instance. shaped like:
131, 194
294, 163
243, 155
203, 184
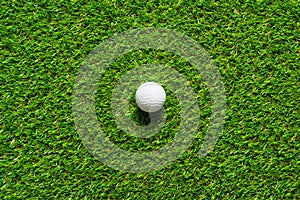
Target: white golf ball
150, 97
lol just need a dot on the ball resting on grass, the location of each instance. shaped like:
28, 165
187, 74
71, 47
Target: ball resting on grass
150, 97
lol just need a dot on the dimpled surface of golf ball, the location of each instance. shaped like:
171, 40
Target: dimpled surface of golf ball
150, 97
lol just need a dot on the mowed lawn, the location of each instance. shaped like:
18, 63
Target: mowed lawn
255, 46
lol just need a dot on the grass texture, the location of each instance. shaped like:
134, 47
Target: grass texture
255, 45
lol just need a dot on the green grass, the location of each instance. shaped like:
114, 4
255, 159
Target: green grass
255, 46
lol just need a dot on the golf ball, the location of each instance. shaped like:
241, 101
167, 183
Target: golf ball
150, 97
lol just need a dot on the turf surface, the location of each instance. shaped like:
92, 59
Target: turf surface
255, 46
